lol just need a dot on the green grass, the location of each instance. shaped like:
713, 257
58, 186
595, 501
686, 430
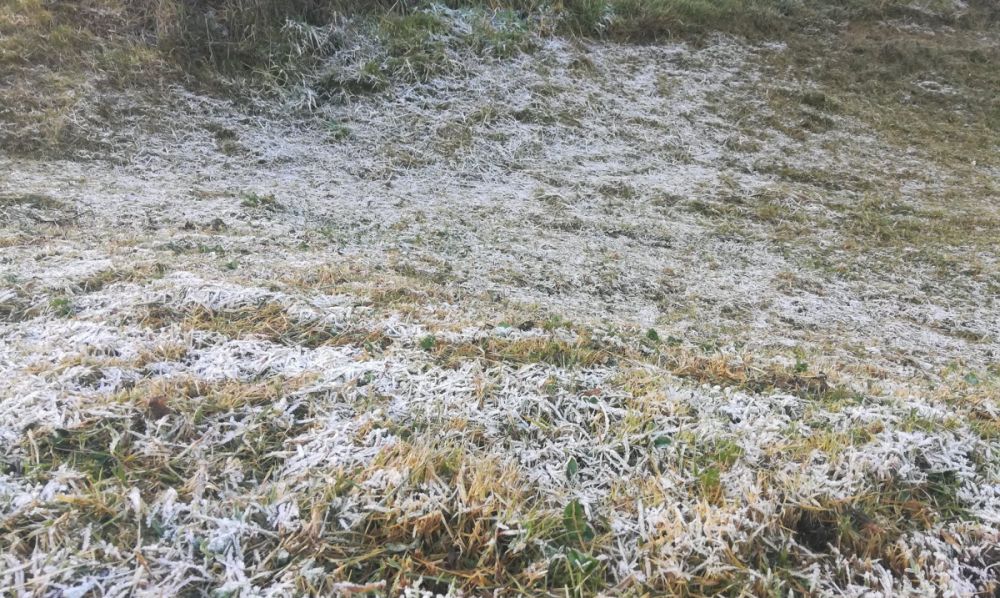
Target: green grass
257, 201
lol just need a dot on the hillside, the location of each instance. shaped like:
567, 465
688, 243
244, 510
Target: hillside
624, 297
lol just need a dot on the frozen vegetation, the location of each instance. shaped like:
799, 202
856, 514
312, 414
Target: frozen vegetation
507, 311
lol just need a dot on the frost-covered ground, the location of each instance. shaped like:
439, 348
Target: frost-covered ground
597, 317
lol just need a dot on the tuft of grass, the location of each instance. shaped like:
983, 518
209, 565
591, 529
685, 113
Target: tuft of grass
502, 33
61, 306
257, 201
414, 43
337, 131
141, 273
428, 342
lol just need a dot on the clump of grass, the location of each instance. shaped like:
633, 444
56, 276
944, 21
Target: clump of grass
142, 273
61, 306
414, 44
368, 78
257, 201
502, 34
111, 462
337, 131
703, 366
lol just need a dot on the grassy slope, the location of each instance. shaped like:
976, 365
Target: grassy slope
54, 56
862, 70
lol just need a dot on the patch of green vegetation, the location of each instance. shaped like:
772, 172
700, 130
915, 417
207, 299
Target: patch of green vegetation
582, 353
646, 20
502, 33
86, 449
337, 131
707, 465
257, 201
888, 221
555, 322
142, 273
61, 306
103, 451
428, 342
369, 78
414, 43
